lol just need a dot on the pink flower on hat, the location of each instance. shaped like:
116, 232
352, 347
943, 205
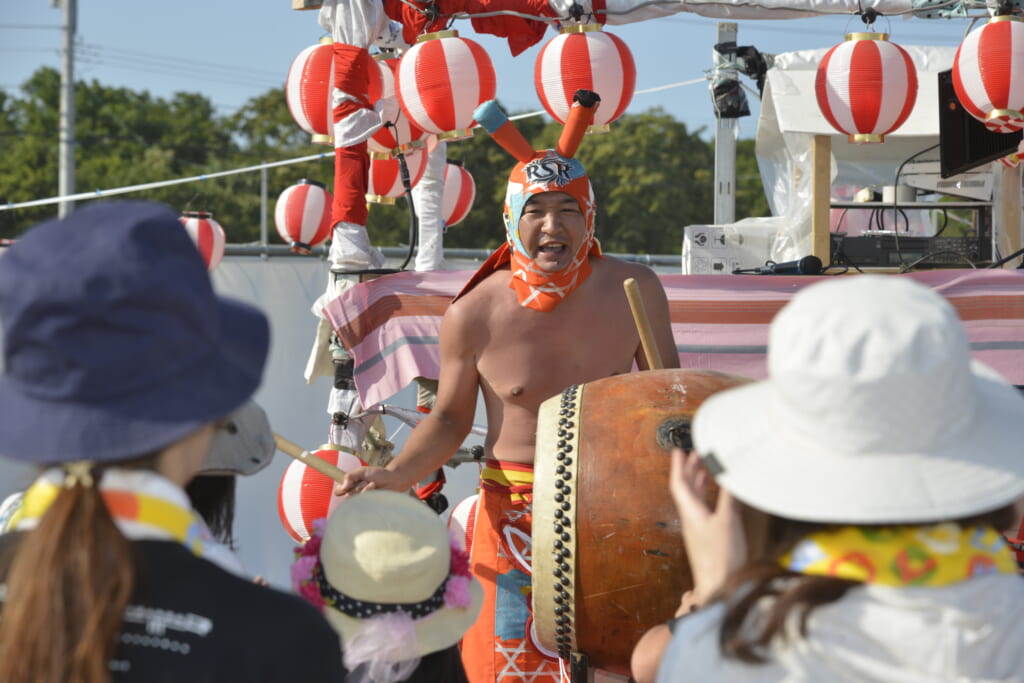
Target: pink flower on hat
307, 557
456, 592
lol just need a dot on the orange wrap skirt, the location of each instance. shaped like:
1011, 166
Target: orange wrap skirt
501, 645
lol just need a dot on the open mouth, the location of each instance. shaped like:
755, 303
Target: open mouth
552, 249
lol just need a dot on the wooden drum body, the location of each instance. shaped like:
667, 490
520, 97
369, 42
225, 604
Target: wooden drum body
608, 559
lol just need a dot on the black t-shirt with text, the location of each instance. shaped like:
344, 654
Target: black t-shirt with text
189, 621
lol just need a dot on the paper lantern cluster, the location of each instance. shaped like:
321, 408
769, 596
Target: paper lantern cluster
585, 57
988, 74
302, 215
206, 234
305, 495
866, 86
309, 89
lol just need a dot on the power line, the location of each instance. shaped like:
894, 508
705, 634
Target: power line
176, 61
48, 27
196, 75
96, 194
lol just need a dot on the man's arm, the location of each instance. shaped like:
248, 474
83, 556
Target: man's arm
656, 305
435, 439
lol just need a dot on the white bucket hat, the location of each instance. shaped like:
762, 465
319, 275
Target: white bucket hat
382, 550
873, 412
245, 444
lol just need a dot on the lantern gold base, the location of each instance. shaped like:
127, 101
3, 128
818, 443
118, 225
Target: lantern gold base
580, 28
436, 35
598, 129
414, 146
457, 134
321, 139
380, 156
380, 199
1007, 114
866, 138
864, 35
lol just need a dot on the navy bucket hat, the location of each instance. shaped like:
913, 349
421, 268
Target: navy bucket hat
115, 344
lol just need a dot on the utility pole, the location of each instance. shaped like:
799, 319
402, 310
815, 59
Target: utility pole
725, 134
66, 152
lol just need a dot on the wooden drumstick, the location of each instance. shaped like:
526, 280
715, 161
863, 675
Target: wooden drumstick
643, 325
323, 467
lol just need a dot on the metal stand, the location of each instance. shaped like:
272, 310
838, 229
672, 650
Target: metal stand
579, 669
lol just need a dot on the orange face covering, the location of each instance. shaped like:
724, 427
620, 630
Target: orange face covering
548, 171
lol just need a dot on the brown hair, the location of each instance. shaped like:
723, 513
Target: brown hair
790, 593
67, 588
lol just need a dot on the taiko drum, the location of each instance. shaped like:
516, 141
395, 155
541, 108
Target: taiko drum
608, 558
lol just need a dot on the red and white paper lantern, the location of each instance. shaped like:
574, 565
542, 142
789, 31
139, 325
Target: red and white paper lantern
585, 57
384, 184
461, 520
401, 135
305, 495
309, 90
459, 193
866, 87
207, 234
988, 74
303, 215
1010, 160
442, 79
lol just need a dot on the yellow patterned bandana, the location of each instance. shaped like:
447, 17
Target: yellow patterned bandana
935, 555
143, 506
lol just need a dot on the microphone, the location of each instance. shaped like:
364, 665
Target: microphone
808, 265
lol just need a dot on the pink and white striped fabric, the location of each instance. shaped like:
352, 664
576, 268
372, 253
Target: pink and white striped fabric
402, 133
206, 234
304, 495
988, 74
385, 181
309, 87
302, 215
591, 60
441, 82
459, 194
866, 87
720, 322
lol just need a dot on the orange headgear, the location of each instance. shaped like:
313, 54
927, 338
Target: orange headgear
551, 170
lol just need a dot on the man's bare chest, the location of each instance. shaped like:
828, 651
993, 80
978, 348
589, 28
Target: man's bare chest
537, 356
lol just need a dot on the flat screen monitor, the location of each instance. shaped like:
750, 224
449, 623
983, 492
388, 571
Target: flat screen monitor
964, 141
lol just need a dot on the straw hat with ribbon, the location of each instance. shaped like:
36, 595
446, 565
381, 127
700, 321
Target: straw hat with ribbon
390, 579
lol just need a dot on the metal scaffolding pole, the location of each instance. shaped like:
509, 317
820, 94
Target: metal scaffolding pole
725, 137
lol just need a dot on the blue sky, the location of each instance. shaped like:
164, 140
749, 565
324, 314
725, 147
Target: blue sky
231, 52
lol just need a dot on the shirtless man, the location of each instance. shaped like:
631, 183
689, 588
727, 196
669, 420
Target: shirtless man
545, 312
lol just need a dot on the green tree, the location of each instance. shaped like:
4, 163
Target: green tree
651, 175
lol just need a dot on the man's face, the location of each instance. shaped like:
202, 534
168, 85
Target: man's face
552, 228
